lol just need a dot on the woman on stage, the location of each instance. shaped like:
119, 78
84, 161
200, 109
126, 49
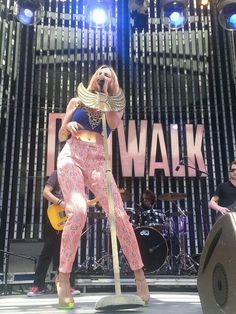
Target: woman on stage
80, 164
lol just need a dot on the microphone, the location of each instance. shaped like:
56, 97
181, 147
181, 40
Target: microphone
177, 168
180, 163
101, 83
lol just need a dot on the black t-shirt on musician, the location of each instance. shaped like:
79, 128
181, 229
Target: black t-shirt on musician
53, 182
227, 194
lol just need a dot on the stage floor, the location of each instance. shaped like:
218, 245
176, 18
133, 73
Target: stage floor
160, 302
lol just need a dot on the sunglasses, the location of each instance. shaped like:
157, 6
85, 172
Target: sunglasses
232, 170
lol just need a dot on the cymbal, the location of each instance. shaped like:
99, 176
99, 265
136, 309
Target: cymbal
125, 195
172, 196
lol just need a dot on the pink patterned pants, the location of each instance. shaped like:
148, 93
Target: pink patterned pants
81, 164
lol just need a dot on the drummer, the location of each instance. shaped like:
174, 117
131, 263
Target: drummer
150, 215
148, 200
141, 217
140, 212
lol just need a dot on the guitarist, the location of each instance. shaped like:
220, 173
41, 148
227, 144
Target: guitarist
52, 241
224, 198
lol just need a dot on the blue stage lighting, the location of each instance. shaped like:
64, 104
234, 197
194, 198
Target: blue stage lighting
227, 14
98, 12
232, 20
176, 18
28, 12
99, 16
174, 13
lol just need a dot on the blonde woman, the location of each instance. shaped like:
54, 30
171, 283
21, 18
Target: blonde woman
80, 164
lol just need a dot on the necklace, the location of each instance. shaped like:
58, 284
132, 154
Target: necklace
100, 100
95, 118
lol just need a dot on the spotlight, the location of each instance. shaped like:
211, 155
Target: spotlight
227, 14
173, 13
98, 12
28, 12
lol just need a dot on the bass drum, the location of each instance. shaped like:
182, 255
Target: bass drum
153, 248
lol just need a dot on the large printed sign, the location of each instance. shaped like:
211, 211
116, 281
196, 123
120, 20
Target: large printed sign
163, 155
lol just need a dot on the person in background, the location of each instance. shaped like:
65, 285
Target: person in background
148, 200
141, 212
224, 197
80, 164
150, 215
52, 241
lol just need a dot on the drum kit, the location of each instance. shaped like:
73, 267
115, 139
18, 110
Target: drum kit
162, 244
157, 234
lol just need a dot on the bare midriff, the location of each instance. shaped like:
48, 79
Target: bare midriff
89, 136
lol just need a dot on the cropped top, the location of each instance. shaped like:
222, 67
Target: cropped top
91, 121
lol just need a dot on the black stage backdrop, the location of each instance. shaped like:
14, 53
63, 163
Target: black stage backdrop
171, 77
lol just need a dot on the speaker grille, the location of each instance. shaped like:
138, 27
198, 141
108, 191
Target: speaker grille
29, 249
220, 284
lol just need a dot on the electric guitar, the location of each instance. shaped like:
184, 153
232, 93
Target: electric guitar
57, 216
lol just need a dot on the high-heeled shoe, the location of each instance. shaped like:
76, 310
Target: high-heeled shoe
66, 300
142, 290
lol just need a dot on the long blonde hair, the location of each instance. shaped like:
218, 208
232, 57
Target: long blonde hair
113, 88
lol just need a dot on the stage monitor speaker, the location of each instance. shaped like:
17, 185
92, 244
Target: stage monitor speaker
217, 270
27, 253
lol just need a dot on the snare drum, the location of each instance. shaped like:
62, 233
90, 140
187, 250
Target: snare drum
153, 248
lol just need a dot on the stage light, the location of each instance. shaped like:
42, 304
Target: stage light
98, 12
28, 12
227, 14
173, 13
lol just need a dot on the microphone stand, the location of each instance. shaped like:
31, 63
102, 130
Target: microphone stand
6, 254
199, 172
204, 217
194, 168
111, 216
185, 262
117, 300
